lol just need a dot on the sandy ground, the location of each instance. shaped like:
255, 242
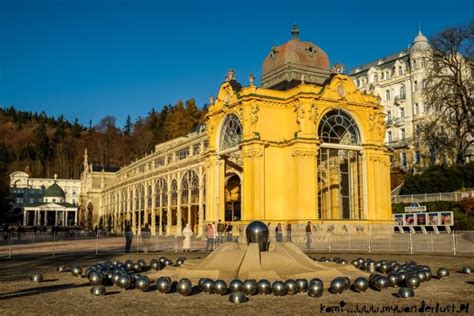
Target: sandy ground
61, 293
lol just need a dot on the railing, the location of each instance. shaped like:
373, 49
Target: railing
433, 197
35, 244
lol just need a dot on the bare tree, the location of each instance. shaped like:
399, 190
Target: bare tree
449, 91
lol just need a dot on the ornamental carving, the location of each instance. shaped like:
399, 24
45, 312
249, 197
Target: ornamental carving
376, 124
382, 160
304, 153
254, 114
313, 114
252, 153
299, 114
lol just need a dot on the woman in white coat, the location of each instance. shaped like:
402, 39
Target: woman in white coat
187, 233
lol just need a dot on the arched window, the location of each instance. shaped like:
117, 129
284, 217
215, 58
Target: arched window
149, 197
174, 192
402, 92
337, 127
231, 132
161, 192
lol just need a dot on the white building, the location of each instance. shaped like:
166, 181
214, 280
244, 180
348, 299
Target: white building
398, 80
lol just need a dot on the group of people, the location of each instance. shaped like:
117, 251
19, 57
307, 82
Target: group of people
279, 233
217, 235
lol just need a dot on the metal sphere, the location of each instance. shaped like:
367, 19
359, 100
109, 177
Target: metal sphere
208, 286
316, 280
355, 263
412, 281
201, 282
315, 289
137, 267
278, 288
384, 268
163, 284
236, 285
237, 297
347, 282
257, 232
62, 268
220, 287
95, 278
361, 260
337, 286
264, 287
184, 287
360, 284
405, 292
371, 267
129, 264
168, 262
37, 277
249, 287
402, 274
302, 285
125, 282
291, 287
421, 275
467, 270
142, 263
428, 275
343, 261
142, 283
179, 262
442, 273
98, 290
76, 271
162, 260
156, 265
393, 279
381, 283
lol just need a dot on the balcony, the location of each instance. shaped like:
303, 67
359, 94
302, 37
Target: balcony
398, 143
399, 99
399, 121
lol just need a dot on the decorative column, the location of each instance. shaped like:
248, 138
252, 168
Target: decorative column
153, 208
179, 226
200, 201
168, 213
160, 229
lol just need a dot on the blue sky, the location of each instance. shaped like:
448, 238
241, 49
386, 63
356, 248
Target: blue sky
91, 58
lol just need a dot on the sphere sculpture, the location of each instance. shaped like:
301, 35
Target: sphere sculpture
302, 285
249, 287
142, 283
62, 268
442, 273
278, 288
384, 268
201, 282
163, 284
142, 263
381, 283
337, 286
236, 285
356, 263
315, 289
220, 287
428, 275
264, 287
155, 265
291, 287
76, 271
237, 297
208, 286
95, 278
137, 267
421, 275
37, 277
257, 232
371, 267
406, 292
360, 285
129, 264
179, 262
168, 262
316, 280
184, 287
467, 270
347, 282
98, 290
125, 282
393, 279
412, 281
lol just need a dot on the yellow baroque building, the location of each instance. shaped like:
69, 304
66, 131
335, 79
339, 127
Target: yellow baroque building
306, 145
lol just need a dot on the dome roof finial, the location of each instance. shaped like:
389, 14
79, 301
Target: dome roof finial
295, 31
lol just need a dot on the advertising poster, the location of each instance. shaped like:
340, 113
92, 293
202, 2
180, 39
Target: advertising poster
433, 219
398, 219
409, 219
446, 218
421, 219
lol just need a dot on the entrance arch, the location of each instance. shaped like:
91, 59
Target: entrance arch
233, 198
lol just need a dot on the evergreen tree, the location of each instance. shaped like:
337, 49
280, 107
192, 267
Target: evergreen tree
128, 128
44, 150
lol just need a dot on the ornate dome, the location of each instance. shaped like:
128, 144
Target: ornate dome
54, 191
293, 62
420, 43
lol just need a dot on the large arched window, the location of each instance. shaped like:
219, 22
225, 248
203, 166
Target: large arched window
340, 176
337, 127
231, 132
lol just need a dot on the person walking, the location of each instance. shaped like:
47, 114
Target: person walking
210, 237
308, 236
228, 232
288, 232
220, 231
146, 235
128, 236
279, 233
187, 234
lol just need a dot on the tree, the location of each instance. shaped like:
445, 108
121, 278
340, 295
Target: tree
44, 149
449, 91
128, 128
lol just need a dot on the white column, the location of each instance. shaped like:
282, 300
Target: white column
153, 209
25, 217
168, 221
200, 202
179, 226
160, 229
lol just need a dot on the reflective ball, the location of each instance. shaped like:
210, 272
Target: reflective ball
168, 262
163, 284
236, 285
405, 292
155, 265
315, 289
249, 287
184, 287
220, 287
98, 290
337, 286
142, 263
264, 287
428, 275
302, 285
421, 275
402, 275
237, 297
125, 282
412, 281
76, 271
162, 260
371, 267
360, 284
62, 268
278, 288
142, 283
442, 273
208, 286
381, 283
201, 282
179, 262
37, 277
257, 232
356, 263
347, 282
384, 268
291, 287
129, 264
467, 270
137, 267
95, 278
343, 261
316, 280
393, 279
